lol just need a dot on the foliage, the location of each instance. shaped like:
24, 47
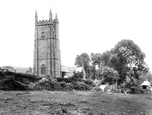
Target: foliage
125, 56
92, 72
123, 64
47, 85
69, 86
66, 80
100, 59
88, 82
95, 63
60, 86
9, 83
95, 58
81, 86
109, 75
136, 90
76, 77
83, 61
105, 58
16, 81
19, 81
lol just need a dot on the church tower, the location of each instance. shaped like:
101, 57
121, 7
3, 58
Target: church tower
47, 47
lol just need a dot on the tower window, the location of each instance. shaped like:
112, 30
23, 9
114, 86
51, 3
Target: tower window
43, 35
43, 69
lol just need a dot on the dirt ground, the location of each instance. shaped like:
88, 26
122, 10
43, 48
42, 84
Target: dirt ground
73, 103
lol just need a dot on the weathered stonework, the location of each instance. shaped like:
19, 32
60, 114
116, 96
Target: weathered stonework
47, 47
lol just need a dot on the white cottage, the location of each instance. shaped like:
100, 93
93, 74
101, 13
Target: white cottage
146, 86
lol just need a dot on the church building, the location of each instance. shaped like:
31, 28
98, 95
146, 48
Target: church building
47, 59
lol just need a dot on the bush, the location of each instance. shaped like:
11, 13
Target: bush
55, 86
60, 86
77, 77
16, 81
9, 83
81, 86
19, 81
63, 84
66, 86
69, 86
50, 86
116, 90
67, 80
136, 90
97, 88
41, 86
88, 82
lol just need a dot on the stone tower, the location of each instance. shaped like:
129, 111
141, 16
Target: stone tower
47, 47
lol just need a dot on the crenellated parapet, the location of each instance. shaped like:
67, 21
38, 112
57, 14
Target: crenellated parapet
44, 22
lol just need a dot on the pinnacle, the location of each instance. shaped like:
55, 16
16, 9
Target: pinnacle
50, 11
36, 13
50, 14
56, 17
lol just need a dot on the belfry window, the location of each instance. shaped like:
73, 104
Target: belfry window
43, 35
43, 69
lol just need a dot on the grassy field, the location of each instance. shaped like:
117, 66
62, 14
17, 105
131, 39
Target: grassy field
73, 103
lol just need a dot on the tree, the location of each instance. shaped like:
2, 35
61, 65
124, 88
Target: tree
109, 75
105, 57
96, 59
95, 62
126, 55
94, 72
30, 69
83, 61
100, 59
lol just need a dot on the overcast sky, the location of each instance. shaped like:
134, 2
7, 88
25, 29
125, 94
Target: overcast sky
90, 26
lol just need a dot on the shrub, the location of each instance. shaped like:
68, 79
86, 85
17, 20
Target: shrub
20, 81
136, 90
52, 86
115, 90
41, 86
66, 86
9, 83
81, 86
55, 86
60, 86
88, 82
97, 88
69, 86
67, 80
77, 76
63, 84
16, 81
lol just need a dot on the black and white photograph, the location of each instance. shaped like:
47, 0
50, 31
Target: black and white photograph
76, 57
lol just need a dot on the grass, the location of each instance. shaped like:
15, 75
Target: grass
73, 103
